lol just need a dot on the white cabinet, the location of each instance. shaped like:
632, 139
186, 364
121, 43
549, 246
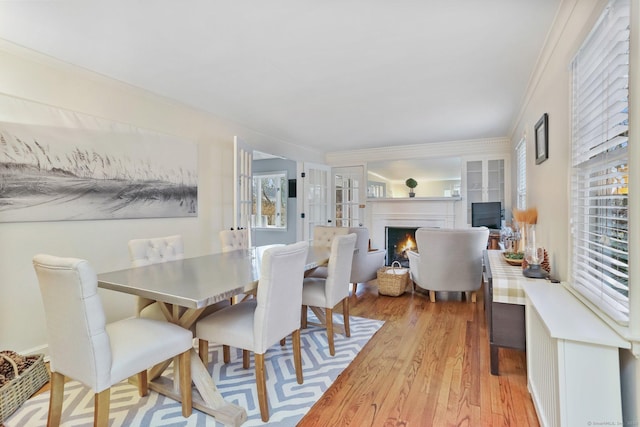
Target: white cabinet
485, 181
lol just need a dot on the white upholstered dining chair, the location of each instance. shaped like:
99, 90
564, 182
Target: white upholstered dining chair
257, 324
152, 251
326, 293
448, 260
323, 236
232, 240
83, 347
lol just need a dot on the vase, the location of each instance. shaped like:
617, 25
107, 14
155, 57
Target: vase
411, 193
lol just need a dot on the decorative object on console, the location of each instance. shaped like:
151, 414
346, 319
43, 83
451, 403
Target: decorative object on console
534, 255
411, 183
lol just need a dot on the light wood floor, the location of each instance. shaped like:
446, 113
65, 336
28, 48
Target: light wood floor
427, 366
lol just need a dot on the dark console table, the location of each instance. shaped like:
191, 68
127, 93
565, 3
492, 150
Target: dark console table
504, 302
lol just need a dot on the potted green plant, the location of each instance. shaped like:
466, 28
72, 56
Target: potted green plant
411, 183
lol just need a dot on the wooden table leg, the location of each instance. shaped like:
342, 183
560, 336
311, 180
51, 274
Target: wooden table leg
207, 399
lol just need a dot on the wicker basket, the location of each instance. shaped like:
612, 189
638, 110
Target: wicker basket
392, 281
16, 391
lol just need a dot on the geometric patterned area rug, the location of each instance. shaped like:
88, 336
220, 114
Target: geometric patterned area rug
288, 400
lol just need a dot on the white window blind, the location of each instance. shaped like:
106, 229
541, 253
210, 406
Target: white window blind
600, 163
521, 173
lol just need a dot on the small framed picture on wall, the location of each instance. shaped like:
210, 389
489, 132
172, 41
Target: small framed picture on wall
542, 139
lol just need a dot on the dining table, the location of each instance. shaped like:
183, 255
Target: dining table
185, 288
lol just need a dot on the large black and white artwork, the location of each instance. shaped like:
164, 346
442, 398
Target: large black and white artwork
50, 173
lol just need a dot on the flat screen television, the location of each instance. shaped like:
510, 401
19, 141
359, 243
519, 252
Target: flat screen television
487, 214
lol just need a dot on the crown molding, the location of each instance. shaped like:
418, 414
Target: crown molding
434, 149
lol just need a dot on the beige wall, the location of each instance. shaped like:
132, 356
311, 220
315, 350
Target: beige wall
548, 183
104, 243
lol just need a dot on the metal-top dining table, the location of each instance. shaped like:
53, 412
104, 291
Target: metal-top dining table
184, 288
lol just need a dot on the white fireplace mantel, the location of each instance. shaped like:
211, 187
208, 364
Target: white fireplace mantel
437, 212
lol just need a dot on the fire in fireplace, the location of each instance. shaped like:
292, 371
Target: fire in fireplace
399, 240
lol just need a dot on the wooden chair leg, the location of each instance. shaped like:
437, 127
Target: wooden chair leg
283, 341
226, 354
245, 359
261, 385
297, 355
473, 297
185, 383
432, 296
332, 348
354, 288
203, 351
55, 399
303, 317
143, 383
101, 408
345, 314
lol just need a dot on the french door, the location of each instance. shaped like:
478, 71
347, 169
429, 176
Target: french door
316, 198
348, 188
242, 191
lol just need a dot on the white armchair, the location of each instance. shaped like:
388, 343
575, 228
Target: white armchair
366, 262
83, 347
449, 260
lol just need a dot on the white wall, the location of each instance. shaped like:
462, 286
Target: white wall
33, 77
548, 183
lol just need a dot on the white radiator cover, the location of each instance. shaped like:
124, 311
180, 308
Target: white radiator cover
573, 370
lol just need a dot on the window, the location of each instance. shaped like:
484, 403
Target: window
600, 255
521, 174
269, 204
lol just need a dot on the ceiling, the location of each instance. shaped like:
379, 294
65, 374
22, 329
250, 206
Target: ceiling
331, 75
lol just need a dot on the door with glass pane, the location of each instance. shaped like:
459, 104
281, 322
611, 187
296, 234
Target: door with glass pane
243, 185
316, 200
348, 188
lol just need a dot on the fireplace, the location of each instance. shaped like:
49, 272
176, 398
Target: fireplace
399, 240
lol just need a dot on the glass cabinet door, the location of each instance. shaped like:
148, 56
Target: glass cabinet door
485, 182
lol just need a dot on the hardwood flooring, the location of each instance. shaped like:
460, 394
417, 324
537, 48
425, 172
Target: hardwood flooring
427, 366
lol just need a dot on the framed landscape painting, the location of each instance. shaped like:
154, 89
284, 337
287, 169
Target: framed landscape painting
51, 173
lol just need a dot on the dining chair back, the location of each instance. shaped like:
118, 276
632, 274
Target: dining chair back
152, 251
327, 292
257, 324
83, 347
233, 240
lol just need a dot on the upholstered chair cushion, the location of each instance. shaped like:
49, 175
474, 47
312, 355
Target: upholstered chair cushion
232, 240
